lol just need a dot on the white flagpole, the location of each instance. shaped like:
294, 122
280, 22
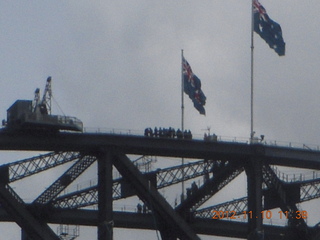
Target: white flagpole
182, 121
252, 50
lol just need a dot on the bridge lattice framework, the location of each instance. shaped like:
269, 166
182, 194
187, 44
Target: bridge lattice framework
219, 163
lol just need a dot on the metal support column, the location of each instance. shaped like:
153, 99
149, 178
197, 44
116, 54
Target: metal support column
254, 216
149, 194
105, 216
24, 235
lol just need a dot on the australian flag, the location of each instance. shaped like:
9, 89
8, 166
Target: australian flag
268, 29
192, 87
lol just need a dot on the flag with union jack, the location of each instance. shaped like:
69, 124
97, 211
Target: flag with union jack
268, 29
192, 87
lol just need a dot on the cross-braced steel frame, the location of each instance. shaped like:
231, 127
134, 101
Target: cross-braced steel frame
218, 162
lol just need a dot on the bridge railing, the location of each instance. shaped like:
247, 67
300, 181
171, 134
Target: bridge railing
296, 177
119, 131
245, 140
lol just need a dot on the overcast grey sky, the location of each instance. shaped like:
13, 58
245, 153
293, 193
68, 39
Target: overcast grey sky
117, 64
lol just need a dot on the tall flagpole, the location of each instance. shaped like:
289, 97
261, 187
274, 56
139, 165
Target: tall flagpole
182, 121
182, 93
252, 50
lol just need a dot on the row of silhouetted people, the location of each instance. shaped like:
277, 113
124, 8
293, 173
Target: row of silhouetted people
167, 133
142, 208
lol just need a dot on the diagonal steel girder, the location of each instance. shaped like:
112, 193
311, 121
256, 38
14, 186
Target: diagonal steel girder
176, 174
30, 166
223, 174
33, 225
236, 207
67, 178
165, 177
153, 198
272, 181
309, 190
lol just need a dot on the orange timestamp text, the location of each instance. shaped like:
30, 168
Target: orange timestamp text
263, 214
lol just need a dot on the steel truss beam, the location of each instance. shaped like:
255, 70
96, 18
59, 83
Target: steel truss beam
165, 177
241, 203
67, 178
145, 221
196, 149
237, 206
32, 224
30, 166
160, 147
272, 181
223, 173
309, 190
172, 175
84, 198
170, 221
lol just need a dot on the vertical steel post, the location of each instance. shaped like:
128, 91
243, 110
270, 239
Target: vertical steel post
24, 235
254, 211
105, 216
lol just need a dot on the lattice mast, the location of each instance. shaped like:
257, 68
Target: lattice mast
46, 99
43, 105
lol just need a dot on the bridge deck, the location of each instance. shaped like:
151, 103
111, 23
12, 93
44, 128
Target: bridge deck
130, 144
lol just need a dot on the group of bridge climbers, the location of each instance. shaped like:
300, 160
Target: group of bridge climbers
192, 190
168, 133
142, 208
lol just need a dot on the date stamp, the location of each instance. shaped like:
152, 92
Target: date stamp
263, 214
